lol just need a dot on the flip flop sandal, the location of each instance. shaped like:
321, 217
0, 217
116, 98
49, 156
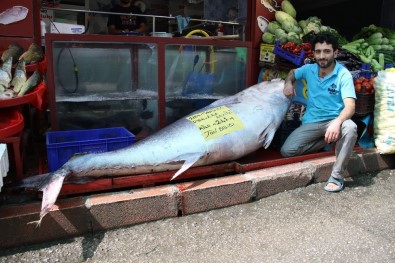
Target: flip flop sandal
336, 181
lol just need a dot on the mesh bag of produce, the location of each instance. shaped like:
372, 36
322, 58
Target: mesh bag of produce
384, 111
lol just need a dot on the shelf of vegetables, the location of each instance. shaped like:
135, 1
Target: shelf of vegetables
286, 28
291, 36
373, 45
369, 53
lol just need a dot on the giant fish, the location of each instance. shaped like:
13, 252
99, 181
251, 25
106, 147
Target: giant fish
225, 130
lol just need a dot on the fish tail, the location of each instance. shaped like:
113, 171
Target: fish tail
50, 184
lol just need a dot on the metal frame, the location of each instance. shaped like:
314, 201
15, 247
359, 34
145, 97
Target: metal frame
154, 17
161, 45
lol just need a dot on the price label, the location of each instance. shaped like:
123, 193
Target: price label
216, 122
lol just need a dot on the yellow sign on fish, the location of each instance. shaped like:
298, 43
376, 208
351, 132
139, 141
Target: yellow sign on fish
216, 122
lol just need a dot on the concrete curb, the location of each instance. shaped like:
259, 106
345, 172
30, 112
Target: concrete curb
80, 215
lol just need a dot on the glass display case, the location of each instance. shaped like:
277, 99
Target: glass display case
98, 85
198, 75
141, 83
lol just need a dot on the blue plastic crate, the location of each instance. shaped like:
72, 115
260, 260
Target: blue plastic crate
297, 60
62, 145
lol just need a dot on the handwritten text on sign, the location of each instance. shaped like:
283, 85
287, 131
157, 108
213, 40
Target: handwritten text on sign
216, 122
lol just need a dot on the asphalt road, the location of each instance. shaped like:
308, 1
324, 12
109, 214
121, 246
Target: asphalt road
303, 225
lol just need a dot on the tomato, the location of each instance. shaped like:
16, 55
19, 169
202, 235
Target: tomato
358, 81
362, 79
288, 46
368, 88
358, 87
305, 46
296, 50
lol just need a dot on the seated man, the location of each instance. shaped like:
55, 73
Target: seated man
120, 24
330, 105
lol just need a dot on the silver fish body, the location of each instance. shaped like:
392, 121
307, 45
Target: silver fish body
14, 51
30, 84
19, 77
259, 109
5, 74
7, 94
33, 54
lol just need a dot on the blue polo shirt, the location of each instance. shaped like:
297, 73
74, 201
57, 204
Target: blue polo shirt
325, 96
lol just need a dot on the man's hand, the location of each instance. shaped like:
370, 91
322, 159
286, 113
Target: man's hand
290, 84
289, 89
332, 134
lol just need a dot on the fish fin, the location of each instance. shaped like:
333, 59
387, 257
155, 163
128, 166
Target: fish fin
50, 184
50, 194
269, 138
267, 135
35, 182
187, 164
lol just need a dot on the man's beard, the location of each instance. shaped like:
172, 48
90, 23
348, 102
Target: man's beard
325, 63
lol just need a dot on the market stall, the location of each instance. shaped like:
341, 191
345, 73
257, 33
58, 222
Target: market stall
23, 66
85, 91
286, 44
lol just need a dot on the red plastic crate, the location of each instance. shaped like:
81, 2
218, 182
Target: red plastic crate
11, 122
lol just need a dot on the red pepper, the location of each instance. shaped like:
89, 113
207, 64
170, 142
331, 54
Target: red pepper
288, 46
296, 50
358, 81
306, 46
310, 54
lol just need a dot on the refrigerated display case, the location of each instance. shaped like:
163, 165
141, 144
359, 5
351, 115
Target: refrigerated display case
141, 83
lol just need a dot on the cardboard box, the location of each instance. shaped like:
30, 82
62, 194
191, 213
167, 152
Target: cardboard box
64, 28
266, 53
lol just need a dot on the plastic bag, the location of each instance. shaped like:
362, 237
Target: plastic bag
199, 83
384, 112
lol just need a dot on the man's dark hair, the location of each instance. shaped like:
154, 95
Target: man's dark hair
326, 38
